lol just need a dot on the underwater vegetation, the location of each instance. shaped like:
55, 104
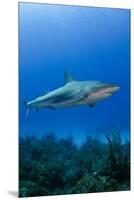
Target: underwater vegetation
53, 166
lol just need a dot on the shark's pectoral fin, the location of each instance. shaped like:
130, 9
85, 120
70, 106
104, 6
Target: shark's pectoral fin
92, 105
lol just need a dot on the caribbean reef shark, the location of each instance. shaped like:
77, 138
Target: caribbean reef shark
73, 93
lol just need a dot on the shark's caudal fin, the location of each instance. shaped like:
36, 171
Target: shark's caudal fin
27, 109
68, 78
27, 112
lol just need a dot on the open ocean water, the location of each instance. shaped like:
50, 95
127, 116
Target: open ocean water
91, 44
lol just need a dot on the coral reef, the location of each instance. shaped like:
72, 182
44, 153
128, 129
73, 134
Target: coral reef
52, 166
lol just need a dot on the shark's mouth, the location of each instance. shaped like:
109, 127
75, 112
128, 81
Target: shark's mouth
98, 95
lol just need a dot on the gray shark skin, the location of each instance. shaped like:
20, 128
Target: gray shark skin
73, 93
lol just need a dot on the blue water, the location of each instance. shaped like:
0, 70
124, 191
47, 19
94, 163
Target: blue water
90, 43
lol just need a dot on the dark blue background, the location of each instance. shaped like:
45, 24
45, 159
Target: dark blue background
92, 44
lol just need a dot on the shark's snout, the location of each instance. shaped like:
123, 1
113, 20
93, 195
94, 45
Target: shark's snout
114, 88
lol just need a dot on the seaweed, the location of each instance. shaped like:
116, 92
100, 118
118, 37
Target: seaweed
53, 166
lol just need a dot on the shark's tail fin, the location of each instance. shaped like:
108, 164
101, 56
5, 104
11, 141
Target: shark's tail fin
27, 112
27, 109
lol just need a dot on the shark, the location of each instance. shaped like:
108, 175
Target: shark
73, 93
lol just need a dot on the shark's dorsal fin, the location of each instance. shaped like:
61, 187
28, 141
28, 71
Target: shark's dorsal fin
68, 78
